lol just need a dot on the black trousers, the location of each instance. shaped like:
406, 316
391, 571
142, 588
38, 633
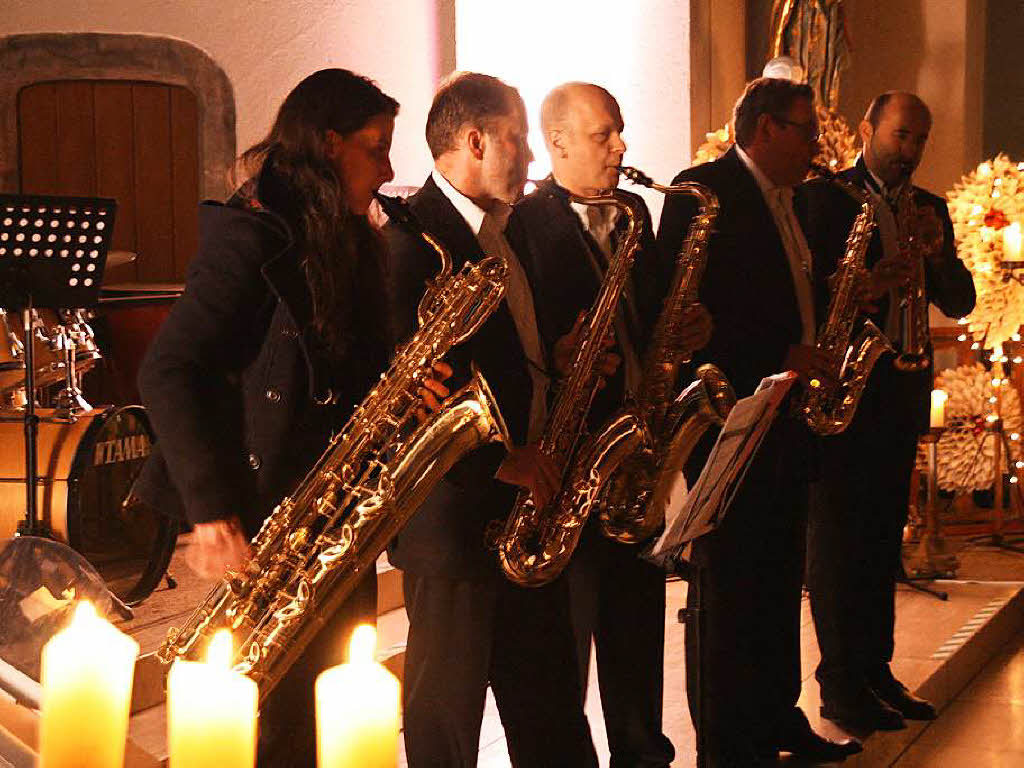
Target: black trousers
466, 635
858, 512
287, 726
618, 602
743, 668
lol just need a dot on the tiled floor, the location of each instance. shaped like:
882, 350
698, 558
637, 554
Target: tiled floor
983, 727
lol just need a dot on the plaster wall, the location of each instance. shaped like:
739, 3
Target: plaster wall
934, 48
266, 46
640, 51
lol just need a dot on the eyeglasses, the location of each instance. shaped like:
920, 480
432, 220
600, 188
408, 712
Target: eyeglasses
810, 129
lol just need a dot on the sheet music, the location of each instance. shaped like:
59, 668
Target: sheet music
689, 515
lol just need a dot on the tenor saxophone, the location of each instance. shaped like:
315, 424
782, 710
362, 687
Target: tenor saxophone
829, 408
915, 334
320, 541
536, 543
639, 453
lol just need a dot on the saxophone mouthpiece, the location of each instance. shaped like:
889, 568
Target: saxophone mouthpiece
636, 176
396, 209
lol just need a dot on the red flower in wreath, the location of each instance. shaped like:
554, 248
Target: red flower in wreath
996, 219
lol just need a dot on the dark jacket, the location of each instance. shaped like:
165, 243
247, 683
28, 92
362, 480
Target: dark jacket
445, 537
241, 392
554, 246
829, 214
747, 286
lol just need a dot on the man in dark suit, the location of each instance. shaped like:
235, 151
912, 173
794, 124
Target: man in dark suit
743, 676
469, 626
618, 599
859, 506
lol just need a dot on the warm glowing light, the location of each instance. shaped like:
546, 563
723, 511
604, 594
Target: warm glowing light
1015, 435
363, 645
985, 169
962, 321
962, 337
86, 673
1014, 337
1012, 242
976, 345
1013, 479
992, 399
991, 418
219, 652
1019, 464
938, 410
357, 709
620, 46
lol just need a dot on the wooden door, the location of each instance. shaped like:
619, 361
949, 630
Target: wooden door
136, 142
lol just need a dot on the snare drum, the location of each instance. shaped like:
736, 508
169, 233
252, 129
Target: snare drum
86, 471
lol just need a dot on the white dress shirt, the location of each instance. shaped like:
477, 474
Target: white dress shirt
489, 229
798, 253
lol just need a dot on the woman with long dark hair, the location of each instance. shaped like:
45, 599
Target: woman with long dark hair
276, 337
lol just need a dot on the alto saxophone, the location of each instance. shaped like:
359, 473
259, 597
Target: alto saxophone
829, 408
320, 541
915, 334
638, 454
536, 543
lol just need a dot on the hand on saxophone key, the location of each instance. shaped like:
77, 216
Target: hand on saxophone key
813, 366
217, 546
433, 392
695, 331
565, 349
528, 467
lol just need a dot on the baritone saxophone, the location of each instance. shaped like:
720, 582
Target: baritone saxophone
320, 541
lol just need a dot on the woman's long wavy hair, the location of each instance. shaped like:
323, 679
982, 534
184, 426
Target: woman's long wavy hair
296, 179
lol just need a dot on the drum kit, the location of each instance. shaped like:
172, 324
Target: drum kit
84, 460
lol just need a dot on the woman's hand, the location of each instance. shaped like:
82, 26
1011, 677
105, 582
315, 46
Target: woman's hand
216, 547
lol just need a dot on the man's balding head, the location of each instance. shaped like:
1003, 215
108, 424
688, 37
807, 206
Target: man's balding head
894, 132
582, 128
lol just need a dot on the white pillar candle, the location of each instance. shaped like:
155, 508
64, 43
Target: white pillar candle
357, 710
938, 413
1011, 242
87, 672
211, 711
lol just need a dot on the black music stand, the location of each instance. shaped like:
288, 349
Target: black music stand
52, 254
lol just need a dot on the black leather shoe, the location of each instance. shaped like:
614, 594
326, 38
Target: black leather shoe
861, 709
799, 739
895, 694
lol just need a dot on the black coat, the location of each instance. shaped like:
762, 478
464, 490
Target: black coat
242, 394
554, 246
747, 285
829, 214
445, 537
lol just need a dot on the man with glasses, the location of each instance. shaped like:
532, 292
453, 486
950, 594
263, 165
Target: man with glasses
743, 677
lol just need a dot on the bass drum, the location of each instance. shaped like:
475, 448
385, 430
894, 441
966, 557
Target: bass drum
86, 472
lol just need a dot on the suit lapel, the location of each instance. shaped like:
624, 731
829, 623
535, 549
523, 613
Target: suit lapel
745, 195
440, 218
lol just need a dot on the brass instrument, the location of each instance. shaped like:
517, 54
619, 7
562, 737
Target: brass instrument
536, 544
320, 541
631, 492
915, 334
829, 408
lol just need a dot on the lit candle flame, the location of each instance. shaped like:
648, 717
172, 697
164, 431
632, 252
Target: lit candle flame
219, 652
363, 645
